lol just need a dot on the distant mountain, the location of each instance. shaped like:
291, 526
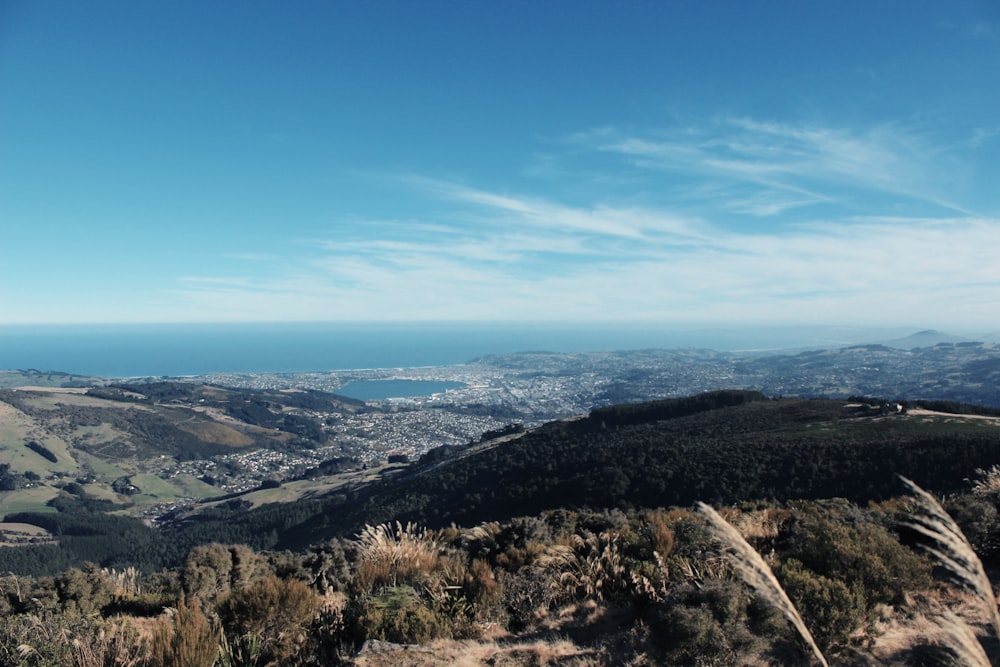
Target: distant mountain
925, 338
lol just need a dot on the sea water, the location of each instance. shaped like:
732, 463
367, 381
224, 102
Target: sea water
179, 350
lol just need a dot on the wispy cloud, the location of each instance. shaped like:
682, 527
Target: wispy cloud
758, 232
985, 29
540, 214
816, 164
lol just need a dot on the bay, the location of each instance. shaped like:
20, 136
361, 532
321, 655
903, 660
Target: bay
374, 390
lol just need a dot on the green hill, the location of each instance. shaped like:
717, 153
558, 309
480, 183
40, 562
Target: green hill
720, 447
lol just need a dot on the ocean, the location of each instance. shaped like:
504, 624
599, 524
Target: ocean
197, 349
178, 350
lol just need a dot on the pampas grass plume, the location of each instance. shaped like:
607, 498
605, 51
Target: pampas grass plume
757, 574
951, 549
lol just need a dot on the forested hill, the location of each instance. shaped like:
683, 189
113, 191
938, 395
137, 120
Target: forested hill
719, 447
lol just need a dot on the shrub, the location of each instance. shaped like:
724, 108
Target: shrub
482, 589
211, 571
274, 612
84, 592
709, 624
830, 609
524, 593
186, 640
839, 544
329, 566
397, 614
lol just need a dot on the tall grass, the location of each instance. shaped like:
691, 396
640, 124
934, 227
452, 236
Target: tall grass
394, 556
955, 634
757, 574
590, 566
952, 551
945, 543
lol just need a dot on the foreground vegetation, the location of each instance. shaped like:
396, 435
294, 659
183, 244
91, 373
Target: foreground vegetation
646, 587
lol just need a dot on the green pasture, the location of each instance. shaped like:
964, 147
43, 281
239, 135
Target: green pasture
154, 490
27, 500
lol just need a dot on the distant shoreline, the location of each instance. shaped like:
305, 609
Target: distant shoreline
186, 351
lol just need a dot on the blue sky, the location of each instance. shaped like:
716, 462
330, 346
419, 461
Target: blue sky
686, 162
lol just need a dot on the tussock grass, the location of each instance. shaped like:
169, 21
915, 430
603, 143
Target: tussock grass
594, 566
115, 646
952, 550
757, 574
395, 555
988, 484
931, 624
951, 632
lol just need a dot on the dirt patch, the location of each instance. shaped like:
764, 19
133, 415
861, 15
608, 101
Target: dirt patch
214, 432
55, 390
922, 412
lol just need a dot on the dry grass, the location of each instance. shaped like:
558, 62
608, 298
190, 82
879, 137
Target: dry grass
988, 484
451, 653
124, 582
762, 524
929, 620
757, 574
393, 556
112, 646
594, 566
952, 550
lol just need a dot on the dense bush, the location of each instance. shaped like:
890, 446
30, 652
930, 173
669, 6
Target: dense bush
274, 612
41, 450
397, 614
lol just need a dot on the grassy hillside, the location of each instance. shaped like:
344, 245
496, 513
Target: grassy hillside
109, 437
35, 378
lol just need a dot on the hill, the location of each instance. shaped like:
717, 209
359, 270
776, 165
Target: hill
722, 447
145, 444
925, 338
570, 543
